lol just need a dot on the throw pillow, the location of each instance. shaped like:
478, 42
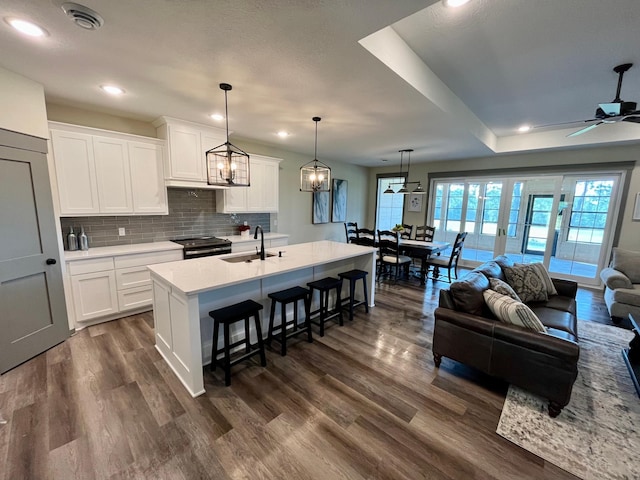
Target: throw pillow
510, 311
627, 262
544, 276
526, 281
503, 288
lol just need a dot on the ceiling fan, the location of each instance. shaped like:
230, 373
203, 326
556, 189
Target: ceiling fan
613, 112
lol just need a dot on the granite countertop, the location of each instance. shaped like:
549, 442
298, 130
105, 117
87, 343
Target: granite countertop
201, 274
114, 250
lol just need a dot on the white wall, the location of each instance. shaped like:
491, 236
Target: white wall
23, 107
630, 230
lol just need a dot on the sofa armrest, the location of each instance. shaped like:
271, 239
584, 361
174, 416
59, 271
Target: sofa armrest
613, 279
565, 288
561, 348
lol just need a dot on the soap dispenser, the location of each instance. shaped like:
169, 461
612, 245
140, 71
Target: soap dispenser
72, 240
83, 241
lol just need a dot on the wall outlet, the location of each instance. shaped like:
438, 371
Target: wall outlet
121, 232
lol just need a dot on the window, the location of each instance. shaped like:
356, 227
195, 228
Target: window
454, 208
437, 208
491, 208
591, 201
514, 211
389, 206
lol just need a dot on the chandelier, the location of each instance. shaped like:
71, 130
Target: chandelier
227, 164
315, 176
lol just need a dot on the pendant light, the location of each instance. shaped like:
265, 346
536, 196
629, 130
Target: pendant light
227, 165
404, 190
315, 176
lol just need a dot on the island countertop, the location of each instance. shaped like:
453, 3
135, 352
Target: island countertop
202, 274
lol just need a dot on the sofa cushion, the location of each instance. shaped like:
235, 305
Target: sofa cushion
504, 261
526, 281
556, 319
627, 262
490, 269
503, 288
562, 334
544, 276
557, 302
467, 293
630, 296
512, 312
613, 278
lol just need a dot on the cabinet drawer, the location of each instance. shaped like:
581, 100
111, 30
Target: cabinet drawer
135, 298
144, 259
132, 277
89, 266
245, 246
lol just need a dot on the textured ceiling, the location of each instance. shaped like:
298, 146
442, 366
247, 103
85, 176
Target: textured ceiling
455, 83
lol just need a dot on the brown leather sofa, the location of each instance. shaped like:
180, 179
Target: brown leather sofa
545, 364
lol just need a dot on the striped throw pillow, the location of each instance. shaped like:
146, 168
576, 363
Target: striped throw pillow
510, 311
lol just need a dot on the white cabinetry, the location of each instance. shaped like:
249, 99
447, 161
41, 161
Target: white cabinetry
107, 173
251, 245
261, 196
112, 287
185, 165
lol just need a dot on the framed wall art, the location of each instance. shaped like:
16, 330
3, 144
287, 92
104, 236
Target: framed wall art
415, 202
320, 207
339, 204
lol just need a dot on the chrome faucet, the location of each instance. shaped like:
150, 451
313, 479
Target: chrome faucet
255, 237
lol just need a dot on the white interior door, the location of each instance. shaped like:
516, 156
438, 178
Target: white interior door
33, 316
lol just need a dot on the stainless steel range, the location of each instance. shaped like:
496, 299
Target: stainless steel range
204, 246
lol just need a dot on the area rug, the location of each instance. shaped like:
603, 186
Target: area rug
596, 436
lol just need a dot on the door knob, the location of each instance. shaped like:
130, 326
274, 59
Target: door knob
51, 261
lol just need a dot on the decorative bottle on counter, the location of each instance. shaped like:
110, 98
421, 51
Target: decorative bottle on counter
83, 241
72, 240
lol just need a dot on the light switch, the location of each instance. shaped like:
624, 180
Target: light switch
121, 232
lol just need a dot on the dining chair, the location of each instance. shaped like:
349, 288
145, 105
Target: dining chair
365, 237
390, 255
450, 262
407, 231
425, 233
351, 231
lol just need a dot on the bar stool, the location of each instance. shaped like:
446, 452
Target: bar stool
353, 276
290, 295
227, 316
324, 287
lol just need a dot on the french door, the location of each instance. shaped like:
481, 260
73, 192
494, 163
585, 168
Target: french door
566, 222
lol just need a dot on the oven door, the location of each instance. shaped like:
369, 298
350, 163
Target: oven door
197, 252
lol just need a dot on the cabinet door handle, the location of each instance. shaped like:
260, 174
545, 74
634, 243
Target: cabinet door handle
51, 261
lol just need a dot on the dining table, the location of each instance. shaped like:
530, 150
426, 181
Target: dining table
422, 250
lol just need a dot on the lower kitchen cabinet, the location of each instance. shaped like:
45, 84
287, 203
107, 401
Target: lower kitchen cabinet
111, 287
94, 295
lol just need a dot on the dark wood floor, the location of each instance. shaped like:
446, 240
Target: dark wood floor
364, 402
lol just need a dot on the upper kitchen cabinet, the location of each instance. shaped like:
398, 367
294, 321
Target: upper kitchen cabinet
261, 196
187, 142
100, 172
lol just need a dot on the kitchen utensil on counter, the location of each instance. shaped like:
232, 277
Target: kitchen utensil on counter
72, 240
83, 241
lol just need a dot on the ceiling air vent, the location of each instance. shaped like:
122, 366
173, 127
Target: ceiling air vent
82, 16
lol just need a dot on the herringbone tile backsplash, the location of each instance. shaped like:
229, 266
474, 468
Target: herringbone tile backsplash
192, 213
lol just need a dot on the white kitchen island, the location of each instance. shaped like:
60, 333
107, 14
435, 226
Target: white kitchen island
184, 292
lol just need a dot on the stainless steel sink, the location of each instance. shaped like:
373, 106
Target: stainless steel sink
247, 258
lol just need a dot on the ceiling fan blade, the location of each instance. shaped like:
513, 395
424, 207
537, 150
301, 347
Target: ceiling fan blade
566, 123
631, 119
584, 130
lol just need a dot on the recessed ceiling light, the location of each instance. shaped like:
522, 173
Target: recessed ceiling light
27, 28
454, 3
283, 134
524, 128
217, 117
112, 89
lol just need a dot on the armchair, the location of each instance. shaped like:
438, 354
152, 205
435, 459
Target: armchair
622, 284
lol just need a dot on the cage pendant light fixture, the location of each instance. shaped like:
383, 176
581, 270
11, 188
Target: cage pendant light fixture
315, 176
227, 165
